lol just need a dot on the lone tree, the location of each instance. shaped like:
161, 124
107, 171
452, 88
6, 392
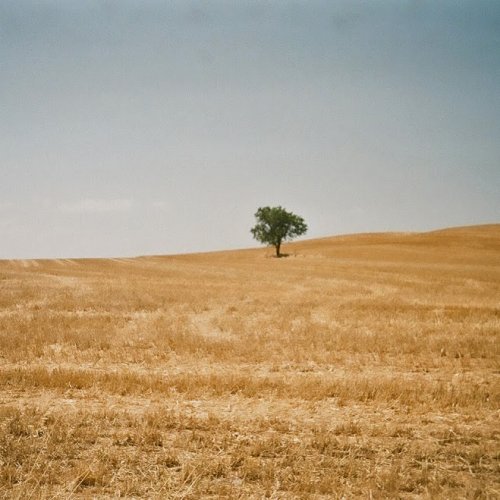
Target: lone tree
275, 225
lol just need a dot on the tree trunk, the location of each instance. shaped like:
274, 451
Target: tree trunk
278, 246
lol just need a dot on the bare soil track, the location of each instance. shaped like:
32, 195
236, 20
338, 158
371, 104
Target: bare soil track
360, 366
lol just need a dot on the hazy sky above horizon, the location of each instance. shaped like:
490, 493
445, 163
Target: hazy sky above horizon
132, 127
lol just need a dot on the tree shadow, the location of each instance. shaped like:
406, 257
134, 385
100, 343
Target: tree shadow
282, 255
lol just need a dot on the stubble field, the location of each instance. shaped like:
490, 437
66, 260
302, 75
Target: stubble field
360, 366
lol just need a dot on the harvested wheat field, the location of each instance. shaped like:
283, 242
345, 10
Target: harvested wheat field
360, 366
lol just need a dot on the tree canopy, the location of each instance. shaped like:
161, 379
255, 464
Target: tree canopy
275, 225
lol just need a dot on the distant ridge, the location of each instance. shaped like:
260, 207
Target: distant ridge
472, 235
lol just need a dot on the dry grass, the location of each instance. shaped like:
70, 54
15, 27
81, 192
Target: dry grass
360, 366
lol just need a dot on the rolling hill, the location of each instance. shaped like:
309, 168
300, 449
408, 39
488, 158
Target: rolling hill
360, 365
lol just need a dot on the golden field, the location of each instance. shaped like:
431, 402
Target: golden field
360, 366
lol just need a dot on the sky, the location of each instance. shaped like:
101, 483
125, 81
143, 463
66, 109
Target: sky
136, 127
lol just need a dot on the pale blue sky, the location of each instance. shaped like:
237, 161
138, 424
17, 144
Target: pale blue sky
134, 127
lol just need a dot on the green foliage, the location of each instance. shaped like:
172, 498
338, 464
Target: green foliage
275, 225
